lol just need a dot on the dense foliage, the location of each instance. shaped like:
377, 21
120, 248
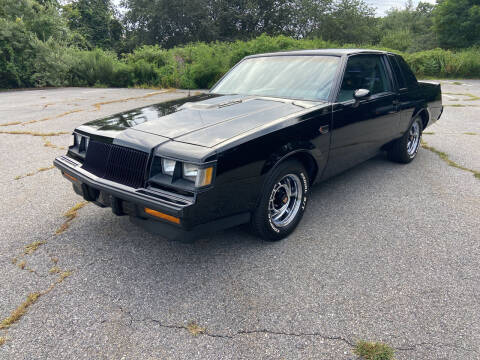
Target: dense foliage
190, 44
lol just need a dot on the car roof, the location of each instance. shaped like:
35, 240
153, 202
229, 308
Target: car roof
330, 52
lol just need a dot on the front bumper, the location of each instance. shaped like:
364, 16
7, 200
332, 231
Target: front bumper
125, 200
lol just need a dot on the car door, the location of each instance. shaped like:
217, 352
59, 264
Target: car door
408, 97
361, 127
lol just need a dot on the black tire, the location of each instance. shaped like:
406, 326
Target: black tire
262, 222
401, 151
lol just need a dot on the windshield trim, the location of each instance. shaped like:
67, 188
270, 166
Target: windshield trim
270, 97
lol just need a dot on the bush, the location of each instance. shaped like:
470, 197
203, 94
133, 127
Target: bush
26, 61
89, 68
441, 63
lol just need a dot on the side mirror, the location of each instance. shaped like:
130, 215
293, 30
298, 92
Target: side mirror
361, 94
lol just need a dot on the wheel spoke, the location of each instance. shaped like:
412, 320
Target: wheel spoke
284, 202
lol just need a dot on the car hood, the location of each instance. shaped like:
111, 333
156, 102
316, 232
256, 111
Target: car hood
204, 120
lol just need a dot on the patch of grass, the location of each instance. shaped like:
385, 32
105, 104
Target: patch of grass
470, 133
373, 351
471, 97
42, 169
63, 276
460, 105
22, 264
194, 329
70, 215
11, 123
54, 270
445, 158
428, 133
99, 104
53, 117
34, 133
31, 248
457, 83
2, 340
20, 310
49, 144
31, 299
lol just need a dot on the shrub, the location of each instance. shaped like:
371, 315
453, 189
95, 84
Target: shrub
27, 61
88, 68
441, 63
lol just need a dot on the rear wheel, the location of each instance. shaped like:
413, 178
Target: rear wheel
405, 149
282, 203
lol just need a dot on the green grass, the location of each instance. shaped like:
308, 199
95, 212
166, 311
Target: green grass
449, 162
373, 351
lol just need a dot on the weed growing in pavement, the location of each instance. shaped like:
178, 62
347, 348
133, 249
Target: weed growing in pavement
445, 158
373, 351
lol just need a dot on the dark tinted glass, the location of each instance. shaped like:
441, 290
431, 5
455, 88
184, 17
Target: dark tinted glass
364, 72
407, 72
398, 73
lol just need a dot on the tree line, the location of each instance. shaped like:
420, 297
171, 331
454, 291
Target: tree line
81, 42
449, 24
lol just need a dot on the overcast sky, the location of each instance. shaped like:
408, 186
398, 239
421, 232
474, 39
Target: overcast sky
381, 5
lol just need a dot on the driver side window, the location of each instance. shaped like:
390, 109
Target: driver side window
364, 72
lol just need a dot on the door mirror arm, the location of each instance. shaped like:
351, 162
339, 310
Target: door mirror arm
360, 94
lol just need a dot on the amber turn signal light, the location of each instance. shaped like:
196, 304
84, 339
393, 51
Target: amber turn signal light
162, 215
70, 177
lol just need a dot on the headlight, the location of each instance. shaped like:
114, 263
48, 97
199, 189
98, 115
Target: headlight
168, 166
79, 143
200, 176
190, 172
197, 174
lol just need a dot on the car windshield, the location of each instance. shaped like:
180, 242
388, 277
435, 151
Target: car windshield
293, 77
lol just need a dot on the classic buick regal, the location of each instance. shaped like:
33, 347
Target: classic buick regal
249, 150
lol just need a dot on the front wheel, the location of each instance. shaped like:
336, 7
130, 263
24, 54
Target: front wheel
283, 202
405, 149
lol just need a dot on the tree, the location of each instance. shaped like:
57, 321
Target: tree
457, 23
347, 21
95, 21
408, 29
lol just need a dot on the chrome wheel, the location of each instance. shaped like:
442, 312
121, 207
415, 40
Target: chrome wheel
413, 138
285, 200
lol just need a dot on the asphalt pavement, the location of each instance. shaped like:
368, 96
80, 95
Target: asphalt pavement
385, 252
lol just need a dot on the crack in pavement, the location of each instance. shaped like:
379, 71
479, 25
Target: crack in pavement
99, 104
244, 332
14, 123
443, 156
30, 249
34, 133
42, 169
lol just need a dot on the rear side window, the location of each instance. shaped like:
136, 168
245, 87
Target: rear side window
398, 73
410, 78
364, 72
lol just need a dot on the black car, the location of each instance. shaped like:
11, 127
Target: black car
249, 150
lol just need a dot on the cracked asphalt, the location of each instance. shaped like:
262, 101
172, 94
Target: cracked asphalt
385, 252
